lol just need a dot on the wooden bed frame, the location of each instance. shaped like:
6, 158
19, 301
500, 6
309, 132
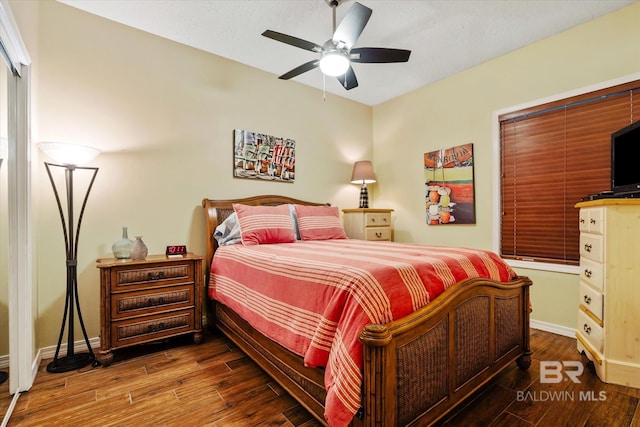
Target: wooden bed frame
416, 369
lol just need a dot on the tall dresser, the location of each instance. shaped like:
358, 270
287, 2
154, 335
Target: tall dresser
608, 329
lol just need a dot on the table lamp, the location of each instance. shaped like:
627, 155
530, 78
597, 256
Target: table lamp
363, 174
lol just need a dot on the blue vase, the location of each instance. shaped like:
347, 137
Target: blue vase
122, 248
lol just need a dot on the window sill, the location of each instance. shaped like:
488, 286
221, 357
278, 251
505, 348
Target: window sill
545, 266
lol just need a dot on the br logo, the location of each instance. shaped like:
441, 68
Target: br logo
552, 371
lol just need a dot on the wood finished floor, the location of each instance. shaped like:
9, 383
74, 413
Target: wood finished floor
177, 383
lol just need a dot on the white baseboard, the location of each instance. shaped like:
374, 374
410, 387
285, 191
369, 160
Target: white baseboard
553, 328
49, 352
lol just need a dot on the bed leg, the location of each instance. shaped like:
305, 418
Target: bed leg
524, 361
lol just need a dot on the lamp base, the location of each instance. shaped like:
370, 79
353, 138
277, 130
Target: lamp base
364, 196
66, 364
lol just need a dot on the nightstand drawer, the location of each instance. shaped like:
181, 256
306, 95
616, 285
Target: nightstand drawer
130, 304
377, 233
149, 276
151, 328
377, 219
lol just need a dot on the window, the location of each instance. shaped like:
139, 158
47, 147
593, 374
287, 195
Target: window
551, 156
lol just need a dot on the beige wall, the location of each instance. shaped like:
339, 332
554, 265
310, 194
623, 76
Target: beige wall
460, 109
163, 114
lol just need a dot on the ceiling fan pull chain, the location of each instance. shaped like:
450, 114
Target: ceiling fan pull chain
324, 87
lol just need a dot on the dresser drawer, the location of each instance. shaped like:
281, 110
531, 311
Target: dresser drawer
152, 275
378, 233
137, 303
592, 247
377, 219
592, 221
151, 328
591, 331
592, 272
591, 300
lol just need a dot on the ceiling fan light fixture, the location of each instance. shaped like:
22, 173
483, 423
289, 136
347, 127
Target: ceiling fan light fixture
334, 63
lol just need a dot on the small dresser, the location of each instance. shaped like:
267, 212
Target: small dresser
368, 224
608, 329
148, 300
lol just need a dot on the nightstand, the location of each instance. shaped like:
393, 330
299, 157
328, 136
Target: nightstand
368, 224
148, 300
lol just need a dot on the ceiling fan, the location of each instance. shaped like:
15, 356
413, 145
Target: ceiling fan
337, 53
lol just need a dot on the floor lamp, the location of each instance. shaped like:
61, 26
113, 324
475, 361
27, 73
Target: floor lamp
68, 157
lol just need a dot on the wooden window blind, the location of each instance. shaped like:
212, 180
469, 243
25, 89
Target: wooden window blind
552, 155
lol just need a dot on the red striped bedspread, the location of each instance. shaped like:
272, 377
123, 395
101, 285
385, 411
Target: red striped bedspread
315, 297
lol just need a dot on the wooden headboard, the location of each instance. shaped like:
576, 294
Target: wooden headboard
218, 210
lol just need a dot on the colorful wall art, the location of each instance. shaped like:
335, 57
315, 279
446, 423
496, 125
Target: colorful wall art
266, 157
449, 186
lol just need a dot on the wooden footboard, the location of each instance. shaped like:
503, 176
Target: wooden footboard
419, 368
416, 369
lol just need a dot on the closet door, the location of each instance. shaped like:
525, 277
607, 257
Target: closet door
16, 248
4, 239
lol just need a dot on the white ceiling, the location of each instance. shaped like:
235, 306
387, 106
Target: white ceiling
445, 36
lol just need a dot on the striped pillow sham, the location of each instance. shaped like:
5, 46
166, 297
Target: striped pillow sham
319, 223
261, 225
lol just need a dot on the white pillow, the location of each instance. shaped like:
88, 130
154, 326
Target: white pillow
294, 219
228, 233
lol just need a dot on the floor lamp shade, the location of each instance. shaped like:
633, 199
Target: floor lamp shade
363, 174
69, 156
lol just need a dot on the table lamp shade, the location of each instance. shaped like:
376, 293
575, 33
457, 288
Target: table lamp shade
363, 173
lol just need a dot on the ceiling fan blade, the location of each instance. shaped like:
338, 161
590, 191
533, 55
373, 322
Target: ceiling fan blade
301, 69
352, 25
348, 80
293, 41
379, 55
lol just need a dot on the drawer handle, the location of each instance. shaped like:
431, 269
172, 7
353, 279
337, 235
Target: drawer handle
587, 299
587, 329
581, 220
587, 273
155, 275
587, 247
373, 220
384, 219
156, 328
592, 221
378, 234
153, 301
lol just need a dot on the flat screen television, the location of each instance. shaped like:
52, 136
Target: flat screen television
625, 160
